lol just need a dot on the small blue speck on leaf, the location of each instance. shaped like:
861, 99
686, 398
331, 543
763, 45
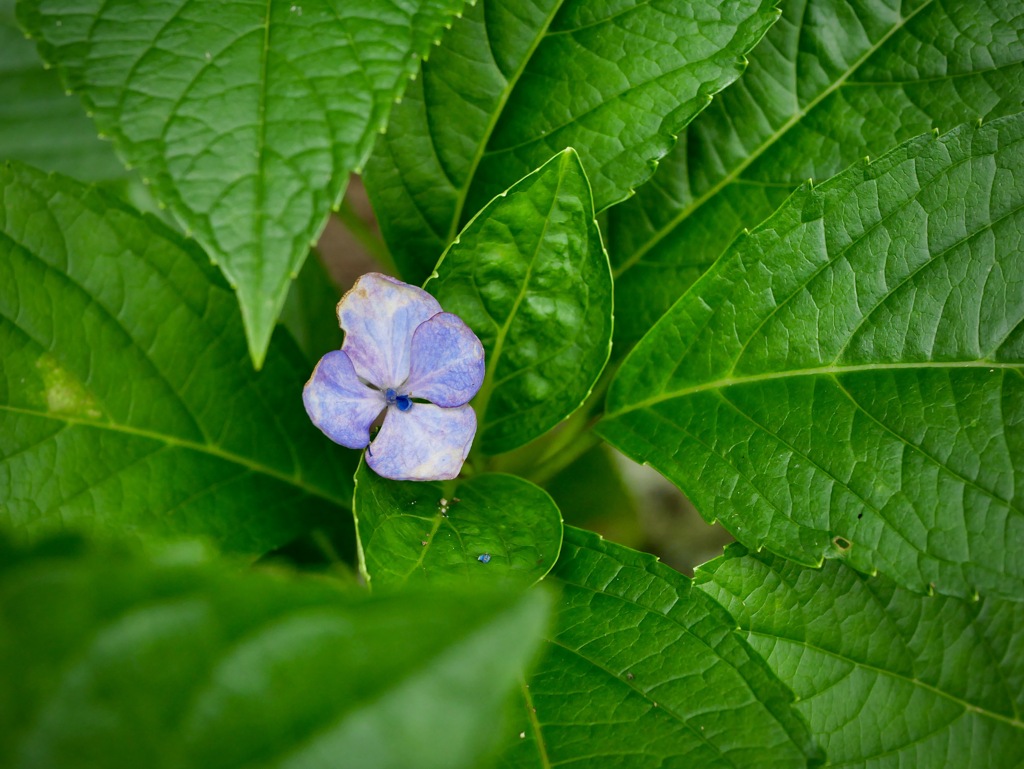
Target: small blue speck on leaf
485, 558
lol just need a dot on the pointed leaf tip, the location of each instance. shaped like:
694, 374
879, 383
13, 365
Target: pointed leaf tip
256, 202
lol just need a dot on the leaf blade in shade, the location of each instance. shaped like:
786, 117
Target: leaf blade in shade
127, 404
39, 123
115, 661
799, 390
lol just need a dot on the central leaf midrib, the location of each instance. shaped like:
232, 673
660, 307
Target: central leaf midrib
832, 370
183, 443
261, 140
510, 84
434, 528
734, 174
487, 388
531, 715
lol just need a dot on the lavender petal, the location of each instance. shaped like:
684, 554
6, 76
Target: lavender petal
379, 316
425, 443
339, 404
447, 362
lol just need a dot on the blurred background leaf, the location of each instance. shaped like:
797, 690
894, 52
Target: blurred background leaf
112, 661
39, 123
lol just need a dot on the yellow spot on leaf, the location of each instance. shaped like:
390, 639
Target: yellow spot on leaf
63, 393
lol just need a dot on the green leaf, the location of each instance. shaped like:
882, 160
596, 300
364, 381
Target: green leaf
110, 661
39, 123
848, 380
437, 532
530, 276
642, 670
127, 403
884, 677
246, 117
831, 83
515, 82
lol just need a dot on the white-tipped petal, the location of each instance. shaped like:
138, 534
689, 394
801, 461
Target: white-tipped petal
379, 316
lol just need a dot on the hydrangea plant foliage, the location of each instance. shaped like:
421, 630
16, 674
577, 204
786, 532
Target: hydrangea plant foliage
773, 250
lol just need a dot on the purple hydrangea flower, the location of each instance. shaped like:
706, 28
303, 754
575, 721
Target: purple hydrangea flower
403, 356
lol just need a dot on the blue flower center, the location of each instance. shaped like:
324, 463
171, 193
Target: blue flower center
404, 402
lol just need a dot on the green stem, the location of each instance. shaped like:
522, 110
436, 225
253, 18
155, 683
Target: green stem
546, 471
542, 459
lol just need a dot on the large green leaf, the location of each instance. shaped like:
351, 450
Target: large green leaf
127, 404
884, 677
515, 82
831, 83
642, 670
246, 116
530, 276
490, 529
109, 661
848, 380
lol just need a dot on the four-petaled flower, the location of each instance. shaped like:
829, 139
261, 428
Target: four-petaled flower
404, 356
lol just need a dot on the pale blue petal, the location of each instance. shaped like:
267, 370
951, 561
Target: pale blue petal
447, 362
379, 315
425, 443
339, 404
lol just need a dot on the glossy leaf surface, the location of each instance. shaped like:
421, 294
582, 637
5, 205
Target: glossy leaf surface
491, 529
848, 381
246, 116
515, 82
109, 661
642, 670
127, 406
884, 677
832, 83
530, 276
